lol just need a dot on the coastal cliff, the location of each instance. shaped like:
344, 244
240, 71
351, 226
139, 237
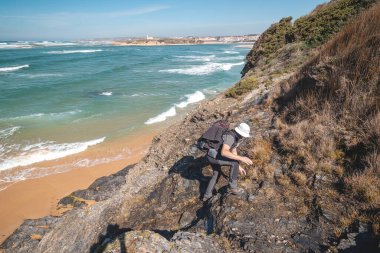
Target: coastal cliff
313, 105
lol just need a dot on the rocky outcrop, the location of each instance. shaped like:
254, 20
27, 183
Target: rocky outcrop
27, 237
148, 241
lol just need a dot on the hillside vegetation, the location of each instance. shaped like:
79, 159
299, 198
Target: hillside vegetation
329, 123
298, 38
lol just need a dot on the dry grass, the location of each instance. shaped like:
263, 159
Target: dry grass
299, 178
364, 186
310, 144
284, 181
261, 153
36, 237
330, 111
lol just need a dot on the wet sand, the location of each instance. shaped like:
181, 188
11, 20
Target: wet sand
36, 198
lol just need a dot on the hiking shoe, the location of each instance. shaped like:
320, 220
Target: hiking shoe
236, 191
206, 197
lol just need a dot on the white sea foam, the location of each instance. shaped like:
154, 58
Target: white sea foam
5, 133
92, 162
143, 94
41, 75
162, 117
192, 58
95, 42
31, 44
191, 98
85, 51
45, 151
244, 46
13, 176
230, 58
106, 93
14, 46
205, 69
230, 52
53, 43
8, 69
39, 115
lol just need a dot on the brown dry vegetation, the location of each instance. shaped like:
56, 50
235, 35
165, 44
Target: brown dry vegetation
329, 120
36, 237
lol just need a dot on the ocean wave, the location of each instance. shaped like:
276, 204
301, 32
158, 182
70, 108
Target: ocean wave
84, 163
5, 133
162, 117
32, 44
9, 69
244, 46
84, 51
39, 115
191, 98
203, 69
193, 58
13, 176
53, 43
41, 75
94, 42
14, 46
45, 151
230, 52
106, 93
98, 115
144, 94
230, 58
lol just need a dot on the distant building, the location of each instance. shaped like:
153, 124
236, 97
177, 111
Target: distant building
149, 38
208, 38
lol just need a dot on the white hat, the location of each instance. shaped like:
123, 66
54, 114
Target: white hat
243, 129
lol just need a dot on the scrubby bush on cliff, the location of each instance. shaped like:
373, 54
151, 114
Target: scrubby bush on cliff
320, 25
245, 85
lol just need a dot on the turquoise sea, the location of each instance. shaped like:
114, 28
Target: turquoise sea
60, 98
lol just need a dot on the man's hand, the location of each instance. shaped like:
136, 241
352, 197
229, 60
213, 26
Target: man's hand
242, 171
232, 154
246, 160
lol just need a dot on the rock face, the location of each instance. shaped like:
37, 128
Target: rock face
28, 235
155, 205
101, 189
148, 241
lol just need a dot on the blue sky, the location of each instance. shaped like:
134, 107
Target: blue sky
85, 19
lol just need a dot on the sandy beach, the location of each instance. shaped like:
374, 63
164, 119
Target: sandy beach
35, 198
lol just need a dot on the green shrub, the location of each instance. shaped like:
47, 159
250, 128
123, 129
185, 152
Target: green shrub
319, 26
245, 85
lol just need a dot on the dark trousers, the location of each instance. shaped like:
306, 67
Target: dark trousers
216, 164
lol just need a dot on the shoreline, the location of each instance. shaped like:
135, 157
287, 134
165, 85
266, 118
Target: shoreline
38, 197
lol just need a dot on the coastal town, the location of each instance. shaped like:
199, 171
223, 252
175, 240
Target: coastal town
150, 41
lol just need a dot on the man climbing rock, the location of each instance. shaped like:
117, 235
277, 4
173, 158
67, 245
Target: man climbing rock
227, 155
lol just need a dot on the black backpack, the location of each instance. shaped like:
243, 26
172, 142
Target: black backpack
212, 138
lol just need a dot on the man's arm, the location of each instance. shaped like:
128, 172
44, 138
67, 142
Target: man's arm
233, 155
